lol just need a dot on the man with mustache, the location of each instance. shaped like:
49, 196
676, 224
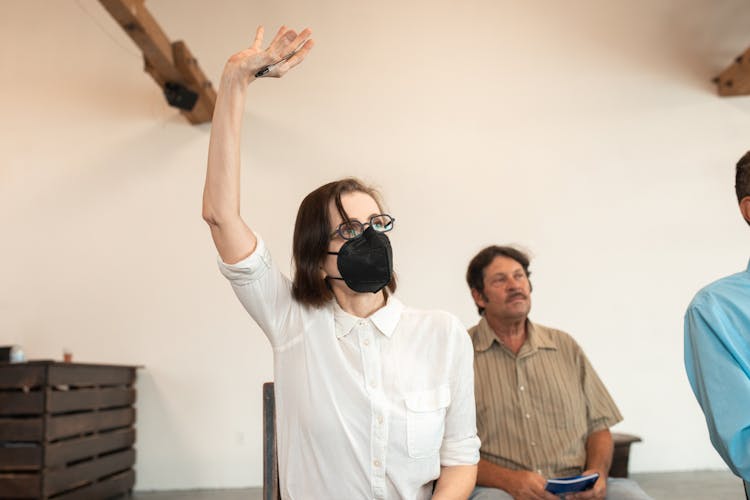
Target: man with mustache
542, 411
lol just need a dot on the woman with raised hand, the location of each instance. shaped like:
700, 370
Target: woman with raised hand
373, 399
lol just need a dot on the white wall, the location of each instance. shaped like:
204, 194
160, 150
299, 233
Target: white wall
587, 131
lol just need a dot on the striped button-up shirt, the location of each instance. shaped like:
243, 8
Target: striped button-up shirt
535, 409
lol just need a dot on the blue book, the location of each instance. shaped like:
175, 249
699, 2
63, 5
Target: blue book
571, 484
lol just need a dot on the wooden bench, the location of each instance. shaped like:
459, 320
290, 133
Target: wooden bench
621, 456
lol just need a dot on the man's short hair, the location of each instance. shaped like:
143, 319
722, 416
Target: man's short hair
475, 272
742, 177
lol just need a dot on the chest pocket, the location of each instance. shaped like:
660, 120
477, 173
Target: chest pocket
425, 420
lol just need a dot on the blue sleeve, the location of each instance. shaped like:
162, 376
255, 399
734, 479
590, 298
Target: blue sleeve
716, 360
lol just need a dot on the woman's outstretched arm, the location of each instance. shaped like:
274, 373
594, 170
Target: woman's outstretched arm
221, 196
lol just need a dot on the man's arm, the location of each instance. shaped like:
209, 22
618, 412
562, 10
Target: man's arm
717, 360
455, 482
520, 484
599, 449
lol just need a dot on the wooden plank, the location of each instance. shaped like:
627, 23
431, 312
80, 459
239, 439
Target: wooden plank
165, 62
89, 399
59, 480
81, 423
735, 80
109, 487
112, 486
622, 438
196, 81
20, 458
57, 454
20, 485
21, 429
140, 25
21, 403
71, 374
21, 375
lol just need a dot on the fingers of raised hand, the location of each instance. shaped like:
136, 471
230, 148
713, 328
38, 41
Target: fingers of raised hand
282, 45
297, 58
279, 34
258, 42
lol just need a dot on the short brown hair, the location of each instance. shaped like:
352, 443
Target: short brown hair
742, 177
477, 266
312, 233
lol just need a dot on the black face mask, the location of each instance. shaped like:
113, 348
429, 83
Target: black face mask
366, 262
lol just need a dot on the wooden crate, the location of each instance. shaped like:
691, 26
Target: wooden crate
67, 430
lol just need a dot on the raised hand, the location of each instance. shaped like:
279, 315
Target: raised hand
285, 51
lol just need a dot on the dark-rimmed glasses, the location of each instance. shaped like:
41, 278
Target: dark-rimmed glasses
381, 223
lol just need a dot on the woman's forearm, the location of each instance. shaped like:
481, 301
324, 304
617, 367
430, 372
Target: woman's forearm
455, 482
221, 194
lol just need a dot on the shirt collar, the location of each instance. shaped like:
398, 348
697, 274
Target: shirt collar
537, 338
484, 336
385, 319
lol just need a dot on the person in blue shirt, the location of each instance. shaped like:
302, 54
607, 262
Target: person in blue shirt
717, 353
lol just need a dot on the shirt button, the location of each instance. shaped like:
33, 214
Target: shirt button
380, 419
366, 342
533, 443
376, 463
521, 388
528, 416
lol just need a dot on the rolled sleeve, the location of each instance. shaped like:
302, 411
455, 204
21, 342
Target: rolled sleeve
264, 291
251, 268
602, 412
460, 443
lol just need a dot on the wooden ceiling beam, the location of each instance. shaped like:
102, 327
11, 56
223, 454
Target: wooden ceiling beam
735, 80
171, 65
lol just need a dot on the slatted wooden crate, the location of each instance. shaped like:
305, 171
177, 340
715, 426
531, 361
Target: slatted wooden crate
66, 430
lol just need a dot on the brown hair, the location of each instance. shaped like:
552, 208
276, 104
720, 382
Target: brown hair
475, 272
742, 177
312, 233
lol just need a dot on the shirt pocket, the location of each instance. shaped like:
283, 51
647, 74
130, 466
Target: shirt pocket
425, 420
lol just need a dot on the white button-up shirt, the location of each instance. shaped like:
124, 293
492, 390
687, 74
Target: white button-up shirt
365, 408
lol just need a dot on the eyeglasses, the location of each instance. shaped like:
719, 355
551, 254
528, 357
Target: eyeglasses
381, 223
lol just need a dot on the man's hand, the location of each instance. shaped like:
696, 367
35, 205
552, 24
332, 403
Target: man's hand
277, 56
527, 485
598, 492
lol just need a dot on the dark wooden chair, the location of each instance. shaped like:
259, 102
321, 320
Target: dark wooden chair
619, 467
270, 458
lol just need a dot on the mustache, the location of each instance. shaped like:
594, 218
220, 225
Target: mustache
516, 295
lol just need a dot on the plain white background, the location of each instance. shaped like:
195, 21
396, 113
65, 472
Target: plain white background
588, 132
